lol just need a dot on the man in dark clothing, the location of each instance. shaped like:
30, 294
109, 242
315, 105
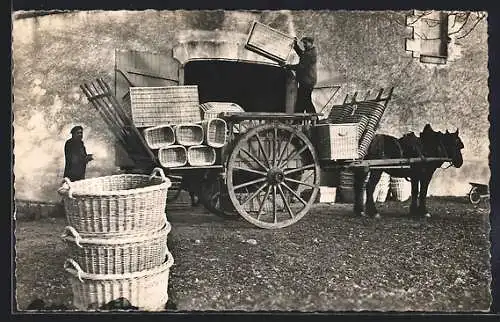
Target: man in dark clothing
305, 73
76, 156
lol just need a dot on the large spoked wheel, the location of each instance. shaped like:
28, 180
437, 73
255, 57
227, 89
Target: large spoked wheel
214, 197
474, 195
269, 171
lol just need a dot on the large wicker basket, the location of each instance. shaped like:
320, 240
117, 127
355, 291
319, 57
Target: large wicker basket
146, 290
112, 254
117, 203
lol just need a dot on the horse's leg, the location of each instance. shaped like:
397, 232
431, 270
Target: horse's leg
426, 179
371, 209
360, 175
414, 194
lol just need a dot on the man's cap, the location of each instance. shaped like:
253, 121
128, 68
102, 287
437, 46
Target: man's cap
309, 39
76, 128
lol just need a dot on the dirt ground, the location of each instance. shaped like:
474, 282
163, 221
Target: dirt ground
328, 261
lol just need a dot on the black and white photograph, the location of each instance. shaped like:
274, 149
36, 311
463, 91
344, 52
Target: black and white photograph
251, 160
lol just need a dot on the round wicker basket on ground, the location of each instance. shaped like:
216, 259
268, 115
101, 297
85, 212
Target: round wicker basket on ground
116, 204
111, 254
146, 290
382, 188
400, 188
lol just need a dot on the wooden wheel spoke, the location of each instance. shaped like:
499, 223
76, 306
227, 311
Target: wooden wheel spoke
255, 159
275, 147
309, 175
287, 205
261, 146
274, 205
291, 157
309, 166
294, 193
251, 170
286, 146
301, 182
263, 201
255, 194
249, 183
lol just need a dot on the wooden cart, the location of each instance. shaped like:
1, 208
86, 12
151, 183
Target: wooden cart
268, 172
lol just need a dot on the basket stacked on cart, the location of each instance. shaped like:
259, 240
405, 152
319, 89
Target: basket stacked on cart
171, 123
117, 236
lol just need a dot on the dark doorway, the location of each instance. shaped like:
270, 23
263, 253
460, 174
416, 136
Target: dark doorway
255, 87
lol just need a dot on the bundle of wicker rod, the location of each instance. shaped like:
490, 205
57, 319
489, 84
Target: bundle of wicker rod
117, 236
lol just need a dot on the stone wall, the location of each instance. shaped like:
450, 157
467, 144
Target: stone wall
54, 54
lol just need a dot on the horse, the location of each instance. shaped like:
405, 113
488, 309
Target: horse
430, 144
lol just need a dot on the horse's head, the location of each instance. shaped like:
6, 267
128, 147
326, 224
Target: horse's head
453, 146
439, 144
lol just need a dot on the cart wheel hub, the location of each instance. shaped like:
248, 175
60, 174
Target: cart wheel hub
275, 176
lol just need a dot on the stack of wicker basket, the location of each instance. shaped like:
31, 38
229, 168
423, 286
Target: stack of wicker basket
171, 123
117, 236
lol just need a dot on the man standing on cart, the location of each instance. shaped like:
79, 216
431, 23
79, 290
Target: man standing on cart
305, 73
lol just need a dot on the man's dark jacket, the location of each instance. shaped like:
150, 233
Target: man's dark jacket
76, 160
306, 68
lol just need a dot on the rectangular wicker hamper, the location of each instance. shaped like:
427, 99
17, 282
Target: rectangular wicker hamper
269, 42
337, 141
189, 134
172, 156
122, 254
152, 106
212, 110
215, 132
121, 203
159, 136
201, 155
146, 290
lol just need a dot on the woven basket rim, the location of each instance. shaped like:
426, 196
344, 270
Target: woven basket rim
134, 88
124, 192
117, 239
80, 274
157, 127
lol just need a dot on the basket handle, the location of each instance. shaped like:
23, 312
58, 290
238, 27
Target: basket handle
342, 133
70, 231
160, 172
74, 269
65, 189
